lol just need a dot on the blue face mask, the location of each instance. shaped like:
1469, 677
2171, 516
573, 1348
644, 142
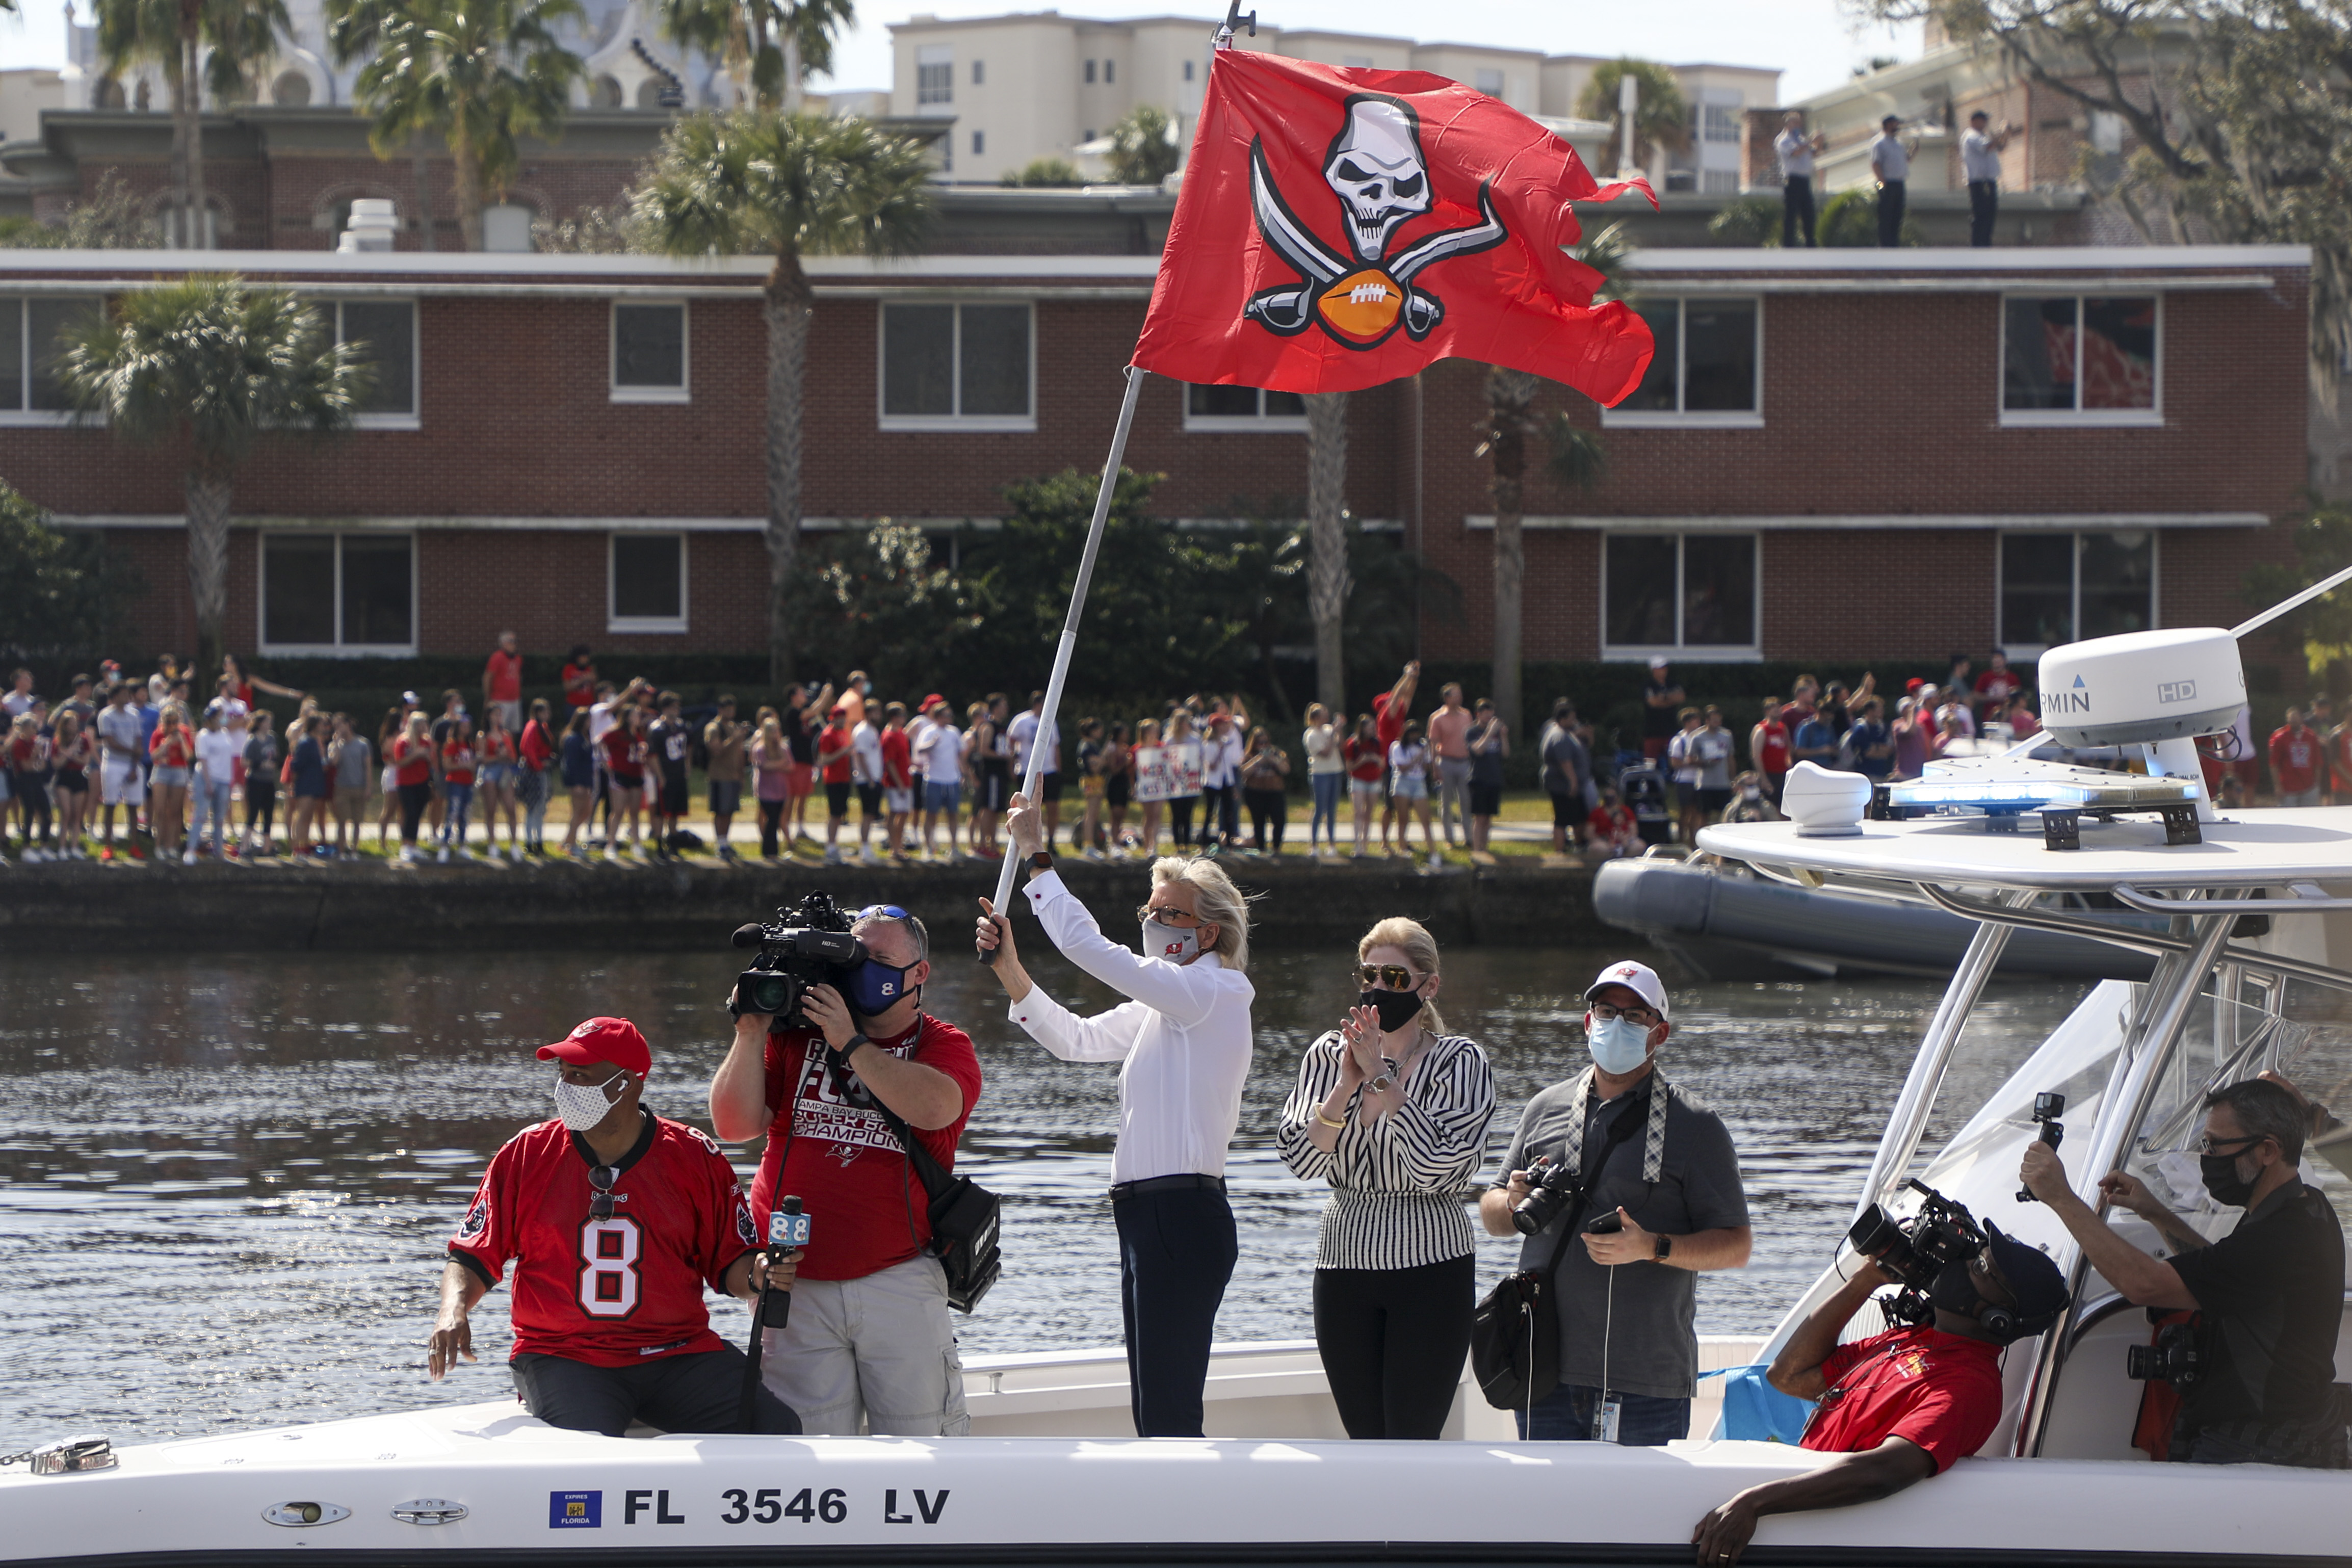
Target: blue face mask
1619, 1046
874, 988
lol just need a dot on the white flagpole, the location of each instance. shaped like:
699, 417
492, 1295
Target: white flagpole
1045, 720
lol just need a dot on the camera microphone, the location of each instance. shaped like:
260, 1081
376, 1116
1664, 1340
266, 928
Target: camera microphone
749, 935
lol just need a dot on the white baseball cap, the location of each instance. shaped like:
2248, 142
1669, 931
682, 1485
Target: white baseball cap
1638, 978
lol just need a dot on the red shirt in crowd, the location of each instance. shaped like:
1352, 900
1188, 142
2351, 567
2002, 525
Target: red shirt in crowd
579, 685
169, 749
2294, 759
503, 676
1994, 689
836, 735
498, 746
897, 760
458, 761
621, 758
412, 761
617, 1291
1613, 824
868, 1208
1390, 726
1771, 747
1367, 759
537, 750
1939, 1391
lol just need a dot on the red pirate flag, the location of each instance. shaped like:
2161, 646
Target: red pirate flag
1341, 229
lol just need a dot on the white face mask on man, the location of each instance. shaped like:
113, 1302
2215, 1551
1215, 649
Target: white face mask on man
581, 1106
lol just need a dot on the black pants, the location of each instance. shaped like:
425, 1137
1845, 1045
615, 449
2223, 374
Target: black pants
772, 819
1797, 211
1228, 798
413, 798
1176, 1252
1269, 810
1392, 1343
1180, 819
697, 1393
1984, 205
1890, 214
260, 805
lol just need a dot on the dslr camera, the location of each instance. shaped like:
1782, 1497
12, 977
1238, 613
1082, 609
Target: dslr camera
1914, 1250
809, 945
1552, 1187
2172, 1359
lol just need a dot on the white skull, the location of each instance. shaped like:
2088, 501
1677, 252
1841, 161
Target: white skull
1377, 169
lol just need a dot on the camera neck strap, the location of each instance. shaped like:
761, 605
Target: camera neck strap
1653, 1149
935, 1178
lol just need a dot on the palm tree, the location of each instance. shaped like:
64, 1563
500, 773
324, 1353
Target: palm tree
786, 186
768, 45
176, 35
208, 364
1143, 148
478, 73
1661, 113
1327, 571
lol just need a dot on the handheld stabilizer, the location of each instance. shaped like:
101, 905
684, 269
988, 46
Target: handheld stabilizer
2047, 1109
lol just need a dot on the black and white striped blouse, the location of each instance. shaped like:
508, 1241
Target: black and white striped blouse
1398, 1183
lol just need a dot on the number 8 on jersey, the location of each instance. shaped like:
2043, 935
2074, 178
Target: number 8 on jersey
608, 1267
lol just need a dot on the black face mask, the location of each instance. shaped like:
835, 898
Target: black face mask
1396, 1008
1955, 1289
2221, 1180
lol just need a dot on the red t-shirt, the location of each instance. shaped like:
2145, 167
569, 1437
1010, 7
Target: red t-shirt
503, 676
1939, 1391
620, 758
1995, 688
839, 770
610, 1292
457, 762
1390, 726
2294, 759
1367, 759
536, 748
1610, 824
867, 1206
897, 760
169, 748
1772, 747
579, 685
412, 761
498, 746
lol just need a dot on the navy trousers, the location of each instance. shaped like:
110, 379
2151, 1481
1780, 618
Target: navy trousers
1176, 1253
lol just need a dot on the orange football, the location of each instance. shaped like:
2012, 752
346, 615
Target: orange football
1363, 306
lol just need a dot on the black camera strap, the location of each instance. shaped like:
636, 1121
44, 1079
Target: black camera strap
1635, 1113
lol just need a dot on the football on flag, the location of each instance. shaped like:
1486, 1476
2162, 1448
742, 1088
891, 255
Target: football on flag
1338, 228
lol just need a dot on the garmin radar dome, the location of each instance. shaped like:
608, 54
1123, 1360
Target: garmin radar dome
2142, 688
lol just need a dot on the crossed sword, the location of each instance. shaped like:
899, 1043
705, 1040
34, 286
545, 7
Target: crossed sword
1290, 307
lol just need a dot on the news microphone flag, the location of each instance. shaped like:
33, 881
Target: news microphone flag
1339, 228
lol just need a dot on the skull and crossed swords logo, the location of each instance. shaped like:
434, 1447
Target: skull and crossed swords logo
1375, 167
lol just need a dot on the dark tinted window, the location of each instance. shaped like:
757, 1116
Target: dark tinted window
649, 345
995, 360
45, 321
1718, 356
387, 329
1641, 594
378, 592
1719, 590
918, 359
298, 603
1657, 392
2037, 588
645, 578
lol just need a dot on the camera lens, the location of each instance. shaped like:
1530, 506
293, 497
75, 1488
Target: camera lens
772, 994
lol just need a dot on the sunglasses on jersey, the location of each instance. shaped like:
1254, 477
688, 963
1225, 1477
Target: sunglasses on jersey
1387, 976
602, 1178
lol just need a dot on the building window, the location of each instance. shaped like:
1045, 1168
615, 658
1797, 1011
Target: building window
646, 583
961, 366
1188, 70
1707, 368
1356, 62
980, 73
1720, 182
934, 75
2081, 360
385, 334
649, 352
978, 144
2063, 587
1490, 82
1667, 592
1242, 408
1090, 73
1110, 72
1719, 122
338, 593
30, 330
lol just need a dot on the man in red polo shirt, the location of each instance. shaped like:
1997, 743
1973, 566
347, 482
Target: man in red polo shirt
615, 1219
1902, 1405
2296, 761
502, 682
1390, 709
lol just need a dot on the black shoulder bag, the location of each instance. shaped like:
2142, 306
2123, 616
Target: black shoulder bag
1515, 1330
964, 1215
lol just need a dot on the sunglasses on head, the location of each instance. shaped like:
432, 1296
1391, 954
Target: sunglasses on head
1391, 976
882, 912
602, 1178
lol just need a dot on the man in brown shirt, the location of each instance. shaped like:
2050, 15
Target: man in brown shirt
724, 739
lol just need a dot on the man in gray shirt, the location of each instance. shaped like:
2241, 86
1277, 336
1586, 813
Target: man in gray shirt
1890, 162
1566, 775
1980, 163
1662, 1167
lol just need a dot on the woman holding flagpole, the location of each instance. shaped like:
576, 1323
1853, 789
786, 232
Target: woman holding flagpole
1185, 1041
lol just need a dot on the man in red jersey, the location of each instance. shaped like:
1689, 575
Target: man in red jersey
615, 1219
1902, 1405
869, 1340
2297, 759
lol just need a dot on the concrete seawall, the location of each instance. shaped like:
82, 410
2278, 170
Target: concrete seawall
61, 908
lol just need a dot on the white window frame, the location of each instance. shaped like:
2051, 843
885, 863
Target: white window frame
2026, 652
415, 418
337, 649
684, 391
1258, 424
28, 418
1711, 653
616, 622
2075, 418
934, 56
1019, 423
1705, 419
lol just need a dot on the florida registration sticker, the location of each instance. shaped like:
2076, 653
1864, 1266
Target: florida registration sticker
575, 1510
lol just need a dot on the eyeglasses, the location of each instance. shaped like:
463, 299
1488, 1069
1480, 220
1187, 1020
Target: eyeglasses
882, 912
1165, 913
1392, 976
1607, 1014
602, 1178
2210, 1145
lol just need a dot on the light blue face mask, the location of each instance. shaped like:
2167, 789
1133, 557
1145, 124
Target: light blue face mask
1619, 1046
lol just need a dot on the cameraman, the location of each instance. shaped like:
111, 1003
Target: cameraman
2269, 1295
1903, 1404
1666, 1166
869, 1334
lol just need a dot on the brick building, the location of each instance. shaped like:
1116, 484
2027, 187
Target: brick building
1837, 453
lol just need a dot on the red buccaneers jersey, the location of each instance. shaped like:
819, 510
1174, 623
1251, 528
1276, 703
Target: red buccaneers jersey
610, 1292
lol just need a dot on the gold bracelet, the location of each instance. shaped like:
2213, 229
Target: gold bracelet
1335, 1126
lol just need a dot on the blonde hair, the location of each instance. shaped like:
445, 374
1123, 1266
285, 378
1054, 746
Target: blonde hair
1419, 949
1215, 898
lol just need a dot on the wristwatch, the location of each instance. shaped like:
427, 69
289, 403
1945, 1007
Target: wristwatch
1381, 1084
1665, 1246
1043, 860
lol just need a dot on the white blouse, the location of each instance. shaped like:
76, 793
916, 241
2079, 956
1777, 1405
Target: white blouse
1185, 1040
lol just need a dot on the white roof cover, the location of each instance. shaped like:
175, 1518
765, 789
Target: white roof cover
2249, 849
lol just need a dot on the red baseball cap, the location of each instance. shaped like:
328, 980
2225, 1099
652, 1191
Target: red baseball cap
933, 700
615, 1040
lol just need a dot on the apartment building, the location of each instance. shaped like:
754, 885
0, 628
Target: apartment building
1030, 85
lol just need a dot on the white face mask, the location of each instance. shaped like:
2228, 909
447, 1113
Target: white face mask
581, 1106
1177, 945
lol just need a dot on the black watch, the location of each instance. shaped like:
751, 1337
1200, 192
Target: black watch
1665, 1246
1043, 860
